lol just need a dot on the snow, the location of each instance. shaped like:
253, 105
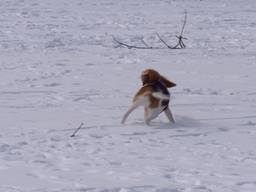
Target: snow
59, 66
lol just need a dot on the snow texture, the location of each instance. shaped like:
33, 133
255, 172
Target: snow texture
59, 66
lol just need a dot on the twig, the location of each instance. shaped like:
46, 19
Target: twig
141, 47
80, 126
168, 46
142, 40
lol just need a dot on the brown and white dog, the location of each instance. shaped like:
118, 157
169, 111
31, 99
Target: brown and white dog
153, 95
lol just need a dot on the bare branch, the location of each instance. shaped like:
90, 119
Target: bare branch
130, 46
180, 37
184, 23
168, 46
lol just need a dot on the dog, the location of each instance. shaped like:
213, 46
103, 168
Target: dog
153, 95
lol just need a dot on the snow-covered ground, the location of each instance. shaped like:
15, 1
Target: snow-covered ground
59, 67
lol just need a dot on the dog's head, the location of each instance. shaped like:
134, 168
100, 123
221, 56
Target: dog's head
151, 76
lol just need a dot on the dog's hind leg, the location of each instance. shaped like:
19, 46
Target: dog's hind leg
147, 116
169, 115
136, 104
150, 114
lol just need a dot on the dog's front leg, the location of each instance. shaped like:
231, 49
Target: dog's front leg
169, 115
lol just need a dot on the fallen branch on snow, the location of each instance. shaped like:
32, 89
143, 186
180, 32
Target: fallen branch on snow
179, 45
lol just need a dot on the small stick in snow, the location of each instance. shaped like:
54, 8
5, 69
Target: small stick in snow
74, 134
142, 40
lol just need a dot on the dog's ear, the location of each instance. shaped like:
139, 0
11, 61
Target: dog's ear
167, 82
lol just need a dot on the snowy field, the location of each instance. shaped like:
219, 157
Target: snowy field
59, 66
